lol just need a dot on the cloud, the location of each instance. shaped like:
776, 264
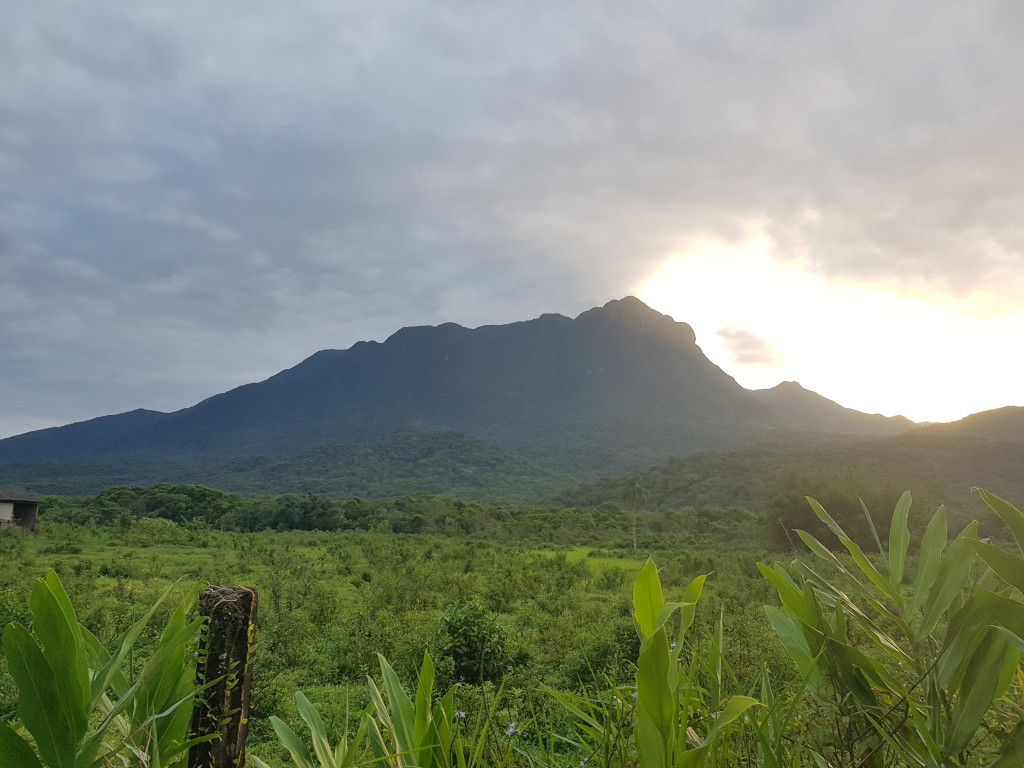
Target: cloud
287, 179
748, 348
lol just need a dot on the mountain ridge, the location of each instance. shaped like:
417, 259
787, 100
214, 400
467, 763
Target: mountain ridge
622, 385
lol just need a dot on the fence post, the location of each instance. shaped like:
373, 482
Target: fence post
224, 660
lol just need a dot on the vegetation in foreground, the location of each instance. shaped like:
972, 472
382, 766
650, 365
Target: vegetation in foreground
899, 660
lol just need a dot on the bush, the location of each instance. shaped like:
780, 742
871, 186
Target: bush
474, 640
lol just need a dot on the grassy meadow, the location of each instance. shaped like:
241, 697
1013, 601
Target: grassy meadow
535, 631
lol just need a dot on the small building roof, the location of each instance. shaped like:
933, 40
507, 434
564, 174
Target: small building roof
13, 494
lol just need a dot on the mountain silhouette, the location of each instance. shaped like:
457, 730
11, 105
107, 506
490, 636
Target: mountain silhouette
615, 388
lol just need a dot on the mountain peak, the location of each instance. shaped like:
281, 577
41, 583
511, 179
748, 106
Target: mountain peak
632, 314
628, 306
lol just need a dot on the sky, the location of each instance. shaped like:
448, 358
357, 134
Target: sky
196, 195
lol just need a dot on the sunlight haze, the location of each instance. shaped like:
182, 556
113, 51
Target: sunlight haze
859, 344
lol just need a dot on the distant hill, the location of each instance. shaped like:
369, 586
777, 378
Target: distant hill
1000, 424
801, 409
838, 471
613, 390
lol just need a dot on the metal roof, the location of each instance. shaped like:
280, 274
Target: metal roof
13, 494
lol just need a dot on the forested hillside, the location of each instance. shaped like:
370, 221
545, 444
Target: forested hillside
514, 411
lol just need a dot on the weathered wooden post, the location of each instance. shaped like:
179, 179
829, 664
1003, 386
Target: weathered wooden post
224, 659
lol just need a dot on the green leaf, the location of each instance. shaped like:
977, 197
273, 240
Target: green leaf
377, 744
899, 540
792, 597
978, 690
655, 697
964, 633
688, 608
14, 752
424, 698
1012, 517
1003, 611
821, 551
1014, 638
648, 599
733, 708
793, 640
317, 730
871, 525
656, 675
402, 711
87, 753
826, 518
167, 678
870, 571
932, 544
290, 741
346, 753
1010, 568
952, 577
38, 698
715, 660
57, 628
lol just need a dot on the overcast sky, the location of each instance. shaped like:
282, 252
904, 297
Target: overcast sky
195, 195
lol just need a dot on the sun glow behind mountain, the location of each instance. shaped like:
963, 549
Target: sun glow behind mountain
928, 357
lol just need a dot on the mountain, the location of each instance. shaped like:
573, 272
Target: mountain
1006, 424
612, 390
801, 409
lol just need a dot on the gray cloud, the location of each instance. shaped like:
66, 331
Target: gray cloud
196, 196
748, 348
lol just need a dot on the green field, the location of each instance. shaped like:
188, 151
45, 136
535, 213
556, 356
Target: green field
511, 619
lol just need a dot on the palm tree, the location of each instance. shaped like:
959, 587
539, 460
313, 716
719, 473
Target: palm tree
634, 496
